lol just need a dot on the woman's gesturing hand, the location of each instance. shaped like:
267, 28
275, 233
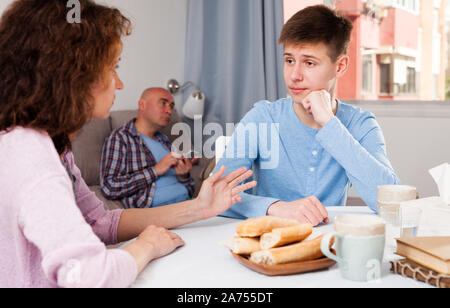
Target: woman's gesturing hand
218, 193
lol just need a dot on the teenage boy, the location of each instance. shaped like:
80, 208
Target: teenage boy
325, 146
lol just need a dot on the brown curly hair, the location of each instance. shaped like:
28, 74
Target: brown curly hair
48, 66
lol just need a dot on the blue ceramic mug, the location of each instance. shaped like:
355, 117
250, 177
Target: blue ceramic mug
359, 246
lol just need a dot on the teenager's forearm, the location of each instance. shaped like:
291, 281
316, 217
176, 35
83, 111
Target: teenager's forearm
362, 160
365, 162
134, 221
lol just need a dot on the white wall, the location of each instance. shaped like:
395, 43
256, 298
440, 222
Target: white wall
154, 53
4, 4
415, 145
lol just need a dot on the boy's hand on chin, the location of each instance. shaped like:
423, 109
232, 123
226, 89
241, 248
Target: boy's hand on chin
319, 104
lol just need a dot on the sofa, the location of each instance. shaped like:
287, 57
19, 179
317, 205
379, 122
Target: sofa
87, 150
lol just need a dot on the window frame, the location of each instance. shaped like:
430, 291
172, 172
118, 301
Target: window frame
404, 109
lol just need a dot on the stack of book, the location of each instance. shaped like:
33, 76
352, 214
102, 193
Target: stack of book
427, 260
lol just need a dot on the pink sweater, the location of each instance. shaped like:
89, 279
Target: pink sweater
49, 237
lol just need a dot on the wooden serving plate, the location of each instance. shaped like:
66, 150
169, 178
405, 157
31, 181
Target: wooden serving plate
288, 268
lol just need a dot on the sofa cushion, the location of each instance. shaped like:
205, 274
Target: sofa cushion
119, 118
108, 204
87, 149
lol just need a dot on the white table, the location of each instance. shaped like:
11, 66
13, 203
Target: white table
203, 263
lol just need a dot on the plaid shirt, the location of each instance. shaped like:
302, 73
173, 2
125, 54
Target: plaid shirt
127, 168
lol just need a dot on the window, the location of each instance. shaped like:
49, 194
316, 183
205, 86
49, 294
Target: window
436, 87
367, 74
385, 79
411, 80
404, 80
408, 5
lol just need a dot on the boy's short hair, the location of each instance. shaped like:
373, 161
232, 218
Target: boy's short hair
319, 24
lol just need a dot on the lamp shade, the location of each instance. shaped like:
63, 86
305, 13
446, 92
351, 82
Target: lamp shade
194, 105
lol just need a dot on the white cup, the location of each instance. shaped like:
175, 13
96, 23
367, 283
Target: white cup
359, 245
390, 196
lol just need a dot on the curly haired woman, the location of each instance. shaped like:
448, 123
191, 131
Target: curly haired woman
54, 77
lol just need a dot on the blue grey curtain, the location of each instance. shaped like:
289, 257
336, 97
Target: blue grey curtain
233, 55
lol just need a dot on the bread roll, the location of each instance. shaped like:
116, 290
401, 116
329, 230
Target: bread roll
304, 251
282, 236
254, 227
242, 246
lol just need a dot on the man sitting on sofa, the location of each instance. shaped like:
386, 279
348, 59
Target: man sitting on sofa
137, 166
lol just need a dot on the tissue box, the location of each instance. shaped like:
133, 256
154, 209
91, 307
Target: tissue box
441, 175
435, 220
